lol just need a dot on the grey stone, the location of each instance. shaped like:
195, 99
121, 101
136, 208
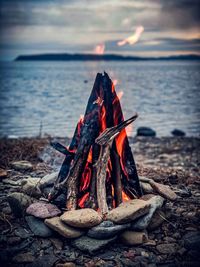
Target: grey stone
38, 227
19, 202
43, 210
23, 258
91, 245
22, 165
166, 248
30, 186
145, 131
107, 229
48, 179
177, 132
155, 202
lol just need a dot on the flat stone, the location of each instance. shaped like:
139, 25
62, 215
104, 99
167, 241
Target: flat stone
83, 218
3, 173
155, 202
23, 258
48, 179
30, 186
65, 230
133, 238
22, 165
107, 229
167, 248
38, 227
11, 182
156, 220
129, 211
91, 245
163, 190
18, 203
192, 240
43, 210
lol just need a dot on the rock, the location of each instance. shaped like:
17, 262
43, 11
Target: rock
192, 240
66, 264
30, 186
147, 197
22, 165
177, 132
156, 220
3, 173
83, 218
48, 179
38, 227
23, 233
23, 258
145, 131
60, 201
163, 190
14, 240
128, 211
107, 229
57, 243
18, 203
43, 210
167, 248
91, 245
44, 261
12, 182
133, 238
155, 202
67, 231
147, 188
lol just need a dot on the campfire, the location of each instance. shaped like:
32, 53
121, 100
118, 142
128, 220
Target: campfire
99, 170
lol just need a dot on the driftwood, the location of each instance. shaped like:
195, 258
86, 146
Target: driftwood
105, 140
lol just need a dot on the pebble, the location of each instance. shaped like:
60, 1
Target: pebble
177, 132
167, 248
145, 131
3, 173
156, 220
48, 179
22, 165
38, 227
82, 218
23, 258
13, 240
30, 186
133, 238
43, 210
163, 190
65, 230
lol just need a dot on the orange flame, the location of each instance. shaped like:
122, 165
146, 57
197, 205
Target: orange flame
133, 38
99, 49
124, 196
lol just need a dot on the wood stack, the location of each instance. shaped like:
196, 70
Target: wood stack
99, 168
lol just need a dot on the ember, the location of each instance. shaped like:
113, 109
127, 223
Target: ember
99, 171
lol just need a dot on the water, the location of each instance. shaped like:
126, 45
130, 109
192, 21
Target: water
54, 94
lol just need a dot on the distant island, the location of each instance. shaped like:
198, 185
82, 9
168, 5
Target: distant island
94, 57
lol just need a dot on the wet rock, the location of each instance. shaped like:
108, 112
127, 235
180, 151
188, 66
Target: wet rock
163, 190
167, 248
155, 202
145, 131
14, 240
3, 173
23, 258
65, 230
177, 132
43, 210
48, 179
22, 165
107, 229
156, 220
38, 227
192, 240
128, 211
133, 238
91, 245
19, 202
30, 186
83, 218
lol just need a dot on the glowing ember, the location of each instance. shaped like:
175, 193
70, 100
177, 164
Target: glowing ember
99, 49
131, 40
125, 197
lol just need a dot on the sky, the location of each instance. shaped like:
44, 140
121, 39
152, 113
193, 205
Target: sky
171, 27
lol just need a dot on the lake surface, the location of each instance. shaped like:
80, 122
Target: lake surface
50, 96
